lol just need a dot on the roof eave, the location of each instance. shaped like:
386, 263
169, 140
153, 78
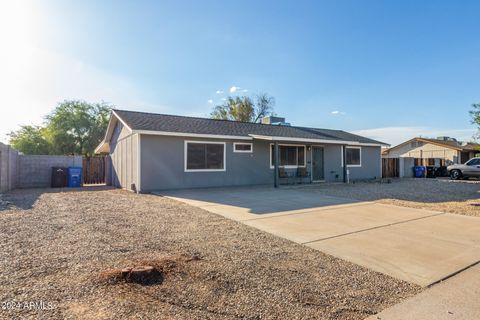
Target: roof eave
324, 141
103, 147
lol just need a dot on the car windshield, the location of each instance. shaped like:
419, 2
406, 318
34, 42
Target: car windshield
473, 162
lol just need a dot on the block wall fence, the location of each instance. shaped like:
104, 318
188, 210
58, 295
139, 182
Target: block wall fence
30, 171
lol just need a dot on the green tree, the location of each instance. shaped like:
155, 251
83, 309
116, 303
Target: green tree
244, 108
74, 127
30, 140
77, 127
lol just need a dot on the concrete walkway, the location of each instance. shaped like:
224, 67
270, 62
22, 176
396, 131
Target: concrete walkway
417, 246
457, 298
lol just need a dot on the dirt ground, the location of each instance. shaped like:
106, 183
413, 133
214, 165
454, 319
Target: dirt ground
57, 247
461, 197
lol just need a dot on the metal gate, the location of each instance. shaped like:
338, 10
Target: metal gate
94, 170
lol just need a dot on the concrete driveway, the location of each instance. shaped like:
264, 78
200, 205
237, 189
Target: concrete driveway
414, 245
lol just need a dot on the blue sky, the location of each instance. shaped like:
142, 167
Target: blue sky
386, 69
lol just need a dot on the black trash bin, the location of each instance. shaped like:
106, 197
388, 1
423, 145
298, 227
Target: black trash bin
441, 171
431, 172
59, 177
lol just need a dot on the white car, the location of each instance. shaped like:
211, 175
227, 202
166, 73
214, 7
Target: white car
471, 168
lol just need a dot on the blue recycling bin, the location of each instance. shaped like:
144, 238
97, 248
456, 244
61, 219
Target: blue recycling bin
74, 177
419, 171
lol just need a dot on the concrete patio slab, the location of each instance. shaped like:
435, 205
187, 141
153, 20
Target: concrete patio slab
454, 299
414, 245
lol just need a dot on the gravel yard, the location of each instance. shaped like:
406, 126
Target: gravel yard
56, 246
461, 197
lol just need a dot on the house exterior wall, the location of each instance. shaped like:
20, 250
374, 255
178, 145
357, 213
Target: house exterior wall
123, 158
426, 150
371, 165
162, 164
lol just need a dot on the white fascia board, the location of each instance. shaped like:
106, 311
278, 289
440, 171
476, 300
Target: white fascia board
110, 128
192, 135
355, 143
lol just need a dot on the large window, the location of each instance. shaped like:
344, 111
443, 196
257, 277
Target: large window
290, 156
204, 156
354, 156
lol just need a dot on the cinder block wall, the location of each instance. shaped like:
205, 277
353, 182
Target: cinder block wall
35, 171
8, 168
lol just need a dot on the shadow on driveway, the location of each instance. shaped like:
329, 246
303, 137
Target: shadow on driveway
254, 200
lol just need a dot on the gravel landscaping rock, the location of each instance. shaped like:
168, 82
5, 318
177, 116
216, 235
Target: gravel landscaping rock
56, 243
460, 197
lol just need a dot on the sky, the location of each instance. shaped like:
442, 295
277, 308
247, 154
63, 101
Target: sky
389, 70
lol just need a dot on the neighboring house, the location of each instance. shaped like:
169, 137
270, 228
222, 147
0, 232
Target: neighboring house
442, 151
156, 151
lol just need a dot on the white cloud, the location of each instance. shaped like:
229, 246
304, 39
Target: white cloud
219, 91
210, 101
397, 135
336, 112
235, 89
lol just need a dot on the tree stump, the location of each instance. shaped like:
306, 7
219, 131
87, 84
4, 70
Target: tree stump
143, 275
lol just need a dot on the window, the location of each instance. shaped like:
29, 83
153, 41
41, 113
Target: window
204, 156
473, 162
290, 156
242, 147
354, 157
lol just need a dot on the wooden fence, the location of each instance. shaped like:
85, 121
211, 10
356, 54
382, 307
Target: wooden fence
94, 170
390, 167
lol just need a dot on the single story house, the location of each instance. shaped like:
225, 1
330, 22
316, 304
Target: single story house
442, 151
156, 152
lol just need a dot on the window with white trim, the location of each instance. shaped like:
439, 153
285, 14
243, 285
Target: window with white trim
204, 156
242, 147
290, 155
354, 156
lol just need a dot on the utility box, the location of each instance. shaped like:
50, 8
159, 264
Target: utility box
59, 177
74, 179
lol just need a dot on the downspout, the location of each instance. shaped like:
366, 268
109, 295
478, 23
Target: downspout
275, 178
344, 151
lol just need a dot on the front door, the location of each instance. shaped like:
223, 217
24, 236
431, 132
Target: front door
317, 164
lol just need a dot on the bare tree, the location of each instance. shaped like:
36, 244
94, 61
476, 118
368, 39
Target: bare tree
263, 106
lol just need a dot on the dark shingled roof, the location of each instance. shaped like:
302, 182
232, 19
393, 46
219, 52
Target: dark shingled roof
181, 124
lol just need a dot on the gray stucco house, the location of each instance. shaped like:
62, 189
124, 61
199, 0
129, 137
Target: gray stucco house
158, 152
